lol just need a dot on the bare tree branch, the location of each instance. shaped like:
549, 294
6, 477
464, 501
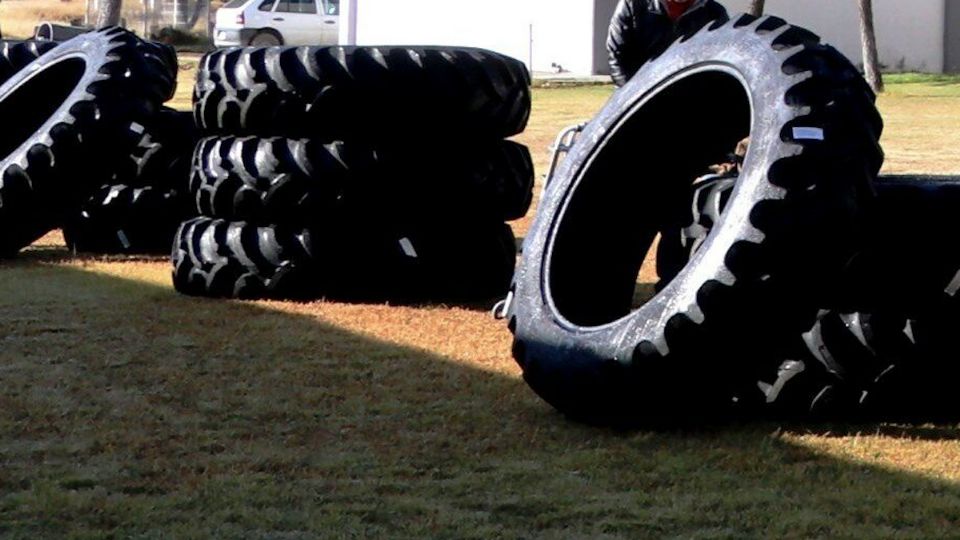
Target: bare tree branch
756, 7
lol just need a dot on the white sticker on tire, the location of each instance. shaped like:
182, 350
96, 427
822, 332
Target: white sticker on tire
954, 286
407, 247
807, 134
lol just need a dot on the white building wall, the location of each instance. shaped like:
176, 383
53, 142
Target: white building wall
909, 32
554, 31
562, 35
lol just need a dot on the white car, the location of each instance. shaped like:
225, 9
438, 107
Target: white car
262, 23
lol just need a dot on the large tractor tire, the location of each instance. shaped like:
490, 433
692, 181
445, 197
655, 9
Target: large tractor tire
71, 112
162, 156
362, 93
695, 348
878, 351
222, 259
122, 219
15, 55
146, 199
269, 180
885, 346
404, 263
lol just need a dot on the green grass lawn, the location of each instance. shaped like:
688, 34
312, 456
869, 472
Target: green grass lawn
127, 410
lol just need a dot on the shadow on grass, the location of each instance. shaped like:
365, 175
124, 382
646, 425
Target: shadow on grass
128, 410
58, 254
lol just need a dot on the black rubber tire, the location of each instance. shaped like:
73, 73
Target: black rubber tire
233, 259
847, 367
882, 350
126, 220
165, 64
266, 38
163, 154
223, 259
491, 181
358, 93
71, 113
141, 209
419, 261
908, 245
269, 180
709, 195
876, 364
681, 355
15, 55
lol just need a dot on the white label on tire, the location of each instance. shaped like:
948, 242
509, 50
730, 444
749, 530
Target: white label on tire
407, 247
122, 236
807, 134
114, 193
908, 330
954, 285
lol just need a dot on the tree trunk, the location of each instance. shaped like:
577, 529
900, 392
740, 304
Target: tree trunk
108, 13
756, 7
871, 62
199, 8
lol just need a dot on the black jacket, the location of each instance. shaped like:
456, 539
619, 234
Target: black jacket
641, 29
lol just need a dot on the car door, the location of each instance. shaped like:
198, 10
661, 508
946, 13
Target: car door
331, 21
298, 21
259, 14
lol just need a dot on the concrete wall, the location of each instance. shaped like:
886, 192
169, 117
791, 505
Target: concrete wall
910, 33
546, 32
951, 38
562, 34
602, 13
491, 24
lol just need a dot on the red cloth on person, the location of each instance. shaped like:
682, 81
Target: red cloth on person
675, 9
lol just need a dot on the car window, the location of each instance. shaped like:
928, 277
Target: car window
267, 5
332, 7
297, 6
232, 4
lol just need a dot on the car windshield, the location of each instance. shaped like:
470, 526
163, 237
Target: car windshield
235, 3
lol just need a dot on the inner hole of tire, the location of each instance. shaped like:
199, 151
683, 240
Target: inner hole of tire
28, 106
638, 185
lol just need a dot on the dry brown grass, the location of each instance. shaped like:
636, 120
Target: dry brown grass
128, 410
19, 17
921, 126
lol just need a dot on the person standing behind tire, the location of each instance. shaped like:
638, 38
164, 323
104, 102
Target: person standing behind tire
642, 29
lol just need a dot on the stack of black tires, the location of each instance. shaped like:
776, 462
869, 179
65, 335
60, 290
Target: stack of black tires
801, 287
883, 347
375, 173
76, 116
139, 209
